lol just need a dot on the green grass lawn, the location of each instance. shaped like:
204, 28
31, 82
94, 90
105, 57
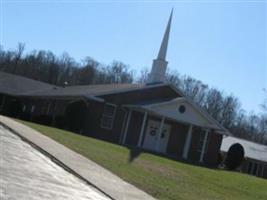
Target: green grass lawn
162, 178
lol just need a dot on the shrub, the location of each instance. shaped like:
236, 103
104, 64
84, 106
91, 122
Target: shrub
234, 157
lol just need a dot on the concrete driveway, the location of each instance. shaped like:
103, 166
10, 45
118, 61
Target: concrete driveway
27, 174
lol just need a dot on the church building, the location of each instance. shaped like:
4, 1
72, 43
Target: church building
155, 117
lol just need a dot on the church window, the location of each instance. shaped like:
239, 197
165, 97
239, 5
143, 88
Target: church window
182, 109
108, 116
32, 108
24, 108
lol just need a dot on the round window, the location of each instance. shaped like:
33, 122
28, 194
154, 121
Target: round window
181, 108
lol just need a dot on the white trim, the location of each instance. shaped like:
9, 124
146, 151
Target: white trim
159, 132
152, 112
32, 108
201, 110
123, 125
202, 138
23, 108
142, 130
94, 98
127, 126
111, 117
197, 108
178, 99
204, 146
187, 142
212, 123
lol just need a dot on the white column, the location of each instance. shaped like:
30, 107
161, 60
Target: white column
159, 133
127, 126
204, 145
187, 142
142, 130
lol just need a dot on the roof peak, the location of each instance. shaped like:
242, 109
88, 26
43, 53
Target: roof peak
164, 44
159, 66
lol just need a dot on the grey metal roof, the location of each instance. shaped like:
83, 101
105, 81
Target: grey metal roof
252, 149
84, 90
16, 85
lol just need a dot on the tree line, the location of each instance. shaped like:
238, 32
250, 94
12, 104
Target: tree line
47, 67
61, 70
225, 108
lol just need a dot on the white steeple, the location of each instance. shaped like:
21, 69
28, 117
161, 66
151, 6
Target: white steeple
159, 66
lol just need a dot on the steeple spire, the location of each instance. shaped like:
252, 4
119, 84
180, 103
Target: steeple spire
157, 74
164, 43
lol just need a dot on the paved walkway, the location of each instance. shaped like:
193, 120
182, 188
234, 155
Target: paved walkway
101, 178
27, 174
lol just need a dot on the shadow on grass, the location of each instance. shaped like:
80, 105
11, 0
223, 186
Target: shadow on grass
134, 153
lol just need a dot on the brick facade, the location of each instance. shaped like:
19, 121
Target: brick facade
52, 111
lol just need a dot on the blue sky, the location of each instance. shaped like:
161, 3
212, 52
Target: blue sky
222, 43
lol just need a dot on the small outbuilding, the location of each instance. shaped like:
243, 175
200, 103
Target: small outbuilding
255, 158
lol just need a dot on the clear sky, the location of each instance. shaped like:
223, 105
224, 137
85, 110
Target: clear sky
222, 43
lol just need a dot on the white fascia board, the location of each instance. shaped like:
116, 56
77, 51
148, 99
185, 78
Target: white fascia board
199, 109
213, 123
95, 98
178, 120
140, 108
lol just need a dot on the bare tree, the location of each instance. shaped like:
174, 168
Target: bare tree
18, 55
47, 67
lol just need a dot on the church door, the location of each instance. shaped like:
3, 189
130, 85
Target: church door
154, 140
164, 138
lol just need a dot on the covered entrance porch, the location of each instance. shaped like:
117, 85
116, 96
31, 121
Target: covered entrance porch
168, 129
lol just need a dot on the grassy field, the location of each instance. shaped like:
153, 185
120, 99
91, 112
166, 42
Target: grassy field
161, 177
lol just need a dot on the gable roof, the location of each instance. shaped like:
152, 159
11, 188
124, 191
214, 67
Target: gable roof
85, 90
97, 90
22, 86
169, 109
17, 85
201, 110
252, 150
